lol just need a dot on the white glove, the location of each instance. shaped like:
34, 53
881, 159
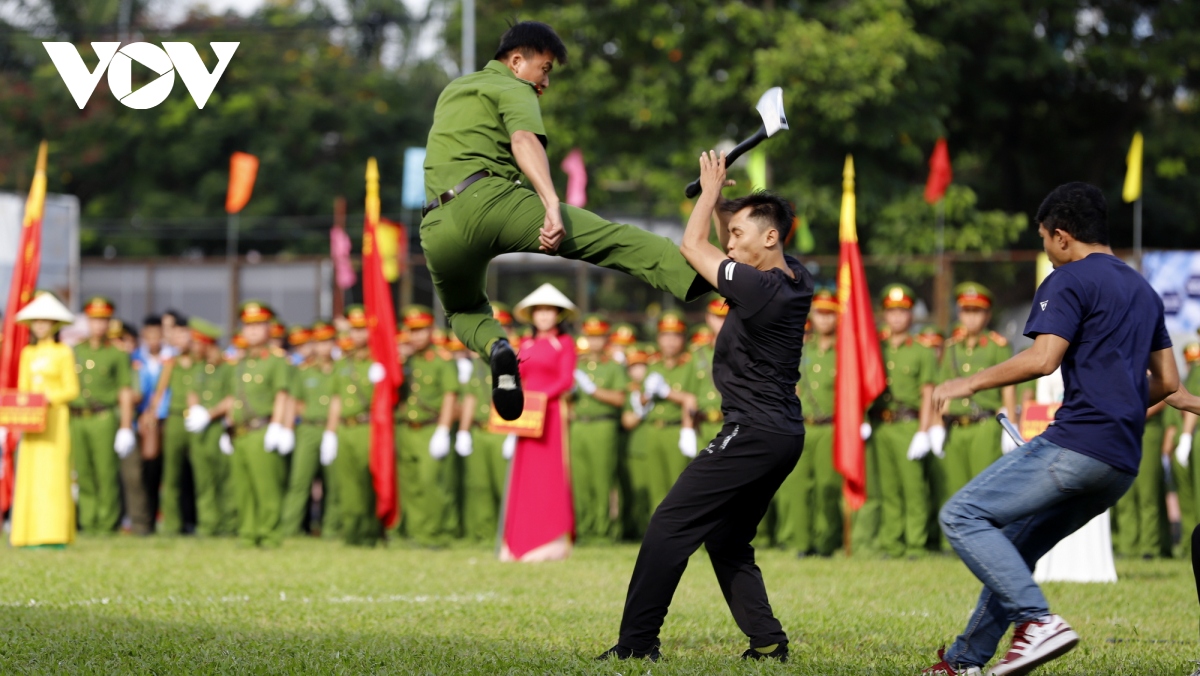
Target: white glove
196, 419
329, 447
226, 444
635, 403
937, 440
463, 444
465, 369
655, 386
271, 438
376, 373
439, 445
864, 430
1007, 444
124, 443
285, 440
919, 447
509, 449
585, 383
687, 442
1184, 450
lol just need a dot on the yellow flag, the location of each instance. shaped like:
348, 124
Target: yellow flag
1133, 171
387, 236
756, 168
848, 231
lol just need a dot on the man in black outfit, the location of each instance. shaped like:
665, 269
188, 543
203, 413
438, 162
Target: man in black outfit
723, 494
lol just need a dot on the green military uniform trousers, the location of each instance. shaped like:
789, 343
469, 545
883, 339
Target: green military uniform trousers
638, 464
1142, 527
593, 473
175, 442
808, 505
1185, 490
485, 473
969, 450
864, 522
306, 465
216, 508
663, 461
494, 216
356, 488
426, 494
97, 469
260, 477
903, 491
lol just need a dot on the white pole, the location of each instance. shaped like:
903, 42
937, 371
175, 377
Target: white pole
468, 36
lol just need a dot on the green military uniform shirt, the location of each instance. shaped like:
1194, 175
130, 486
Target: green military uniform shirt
211, 383
959, 360
708, 399
480, 385
910, 366
473, 124
817, 369
312, 386
255, 380
429, 377
352, 384
607, 375
681, 378
102, 373
183, 380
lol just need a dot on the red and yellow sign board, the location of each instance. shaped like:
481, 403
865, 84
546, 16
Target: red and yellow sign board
532, 422
22, 411
1035, 418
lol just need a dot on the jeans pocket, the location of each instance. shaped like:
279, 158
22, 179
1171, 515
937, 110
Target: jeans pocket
1075, 472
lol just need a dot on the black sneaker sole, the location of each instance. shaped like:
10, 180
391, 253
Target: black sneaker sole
507, 396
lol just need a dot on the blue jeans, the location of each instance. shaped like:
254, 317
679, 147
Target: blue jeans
1010, 515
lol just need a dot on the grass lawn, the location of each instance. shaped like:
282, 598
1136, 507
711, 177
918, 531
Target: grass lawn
125, 605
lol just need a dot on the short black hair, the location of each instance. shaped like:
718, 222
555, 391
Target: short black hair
1078, 209
152, 320
768, 209
531, 37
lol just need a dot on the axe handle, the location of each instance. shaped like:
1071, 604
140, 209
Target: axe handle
693, 188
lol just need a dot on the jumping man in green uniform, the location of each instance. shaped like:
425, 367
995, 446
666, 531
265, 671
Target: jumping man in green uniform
808, 504
486, 145
101, 422
901, 438
595, 428
259, 405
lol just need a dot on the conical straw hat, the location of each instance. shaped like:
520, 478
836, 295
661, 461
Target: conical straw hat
545, 294
45, 306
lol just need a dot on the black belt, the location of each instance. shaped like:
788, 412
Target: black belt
600, 418
89, 410
899, 414
968, 419
251, 425
820, 420
454, 192
355, 420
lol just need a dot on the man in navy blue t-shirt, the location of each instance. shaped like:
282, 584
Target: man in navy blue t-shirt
1102, 323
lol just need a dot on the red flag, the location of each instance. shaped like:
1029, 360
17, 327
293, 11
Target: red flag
381, 322
243, 168
860, 375
939, 173
20, 292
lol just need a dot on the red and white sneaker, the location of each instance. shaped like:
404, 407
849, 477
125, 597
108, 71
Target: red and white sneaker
944, 668
1036, 643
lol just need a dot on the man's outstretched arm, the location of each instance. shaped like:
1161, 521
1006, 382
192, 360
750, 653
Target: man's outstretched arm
696, 248
531, 158
1040, 360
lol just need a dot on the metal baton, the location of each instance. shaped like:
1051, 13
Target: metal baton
1010, 428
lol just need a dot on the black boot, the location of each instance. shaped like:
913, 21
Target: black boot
779, 653
507, 396
620, 652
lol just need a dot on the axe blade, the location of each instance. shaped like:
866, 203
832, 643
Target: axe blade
770, 108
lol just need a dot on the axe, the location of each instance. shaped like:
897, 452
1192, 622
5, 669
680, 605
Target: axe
770, 107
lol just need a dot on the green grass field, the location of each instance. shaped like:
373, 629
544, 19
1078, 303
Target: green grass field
125, 605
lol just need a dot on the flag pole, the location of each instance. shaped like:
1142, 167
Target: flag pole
1137, 233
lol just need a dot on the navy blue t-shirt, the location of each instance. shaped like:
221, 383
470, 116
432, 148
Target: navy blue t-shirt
1113, 319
